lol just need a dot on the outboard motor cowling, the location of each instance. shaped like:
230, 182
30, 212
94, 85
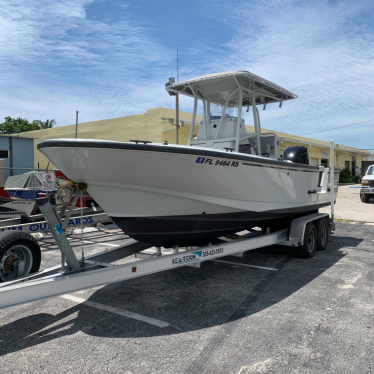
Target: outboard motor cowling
297, 154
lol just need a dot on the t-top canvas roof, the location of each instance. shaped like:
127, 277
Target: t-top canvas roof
216, 88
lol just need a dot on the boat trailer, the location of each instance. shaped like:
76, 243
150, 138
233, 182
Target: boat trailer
309, 232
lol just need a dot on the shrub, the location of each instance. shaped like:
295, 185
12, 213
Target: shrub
345, 176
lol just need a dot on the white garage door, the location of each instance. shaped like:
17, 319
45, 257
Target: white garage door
314, 161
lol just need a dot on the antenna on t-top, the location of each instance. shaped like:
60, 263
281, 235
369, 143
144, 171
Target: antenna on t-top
177, 66
177, 102
170, 83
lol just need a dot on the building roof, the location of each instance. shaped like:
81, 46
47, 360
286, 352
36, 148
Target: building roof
17, 136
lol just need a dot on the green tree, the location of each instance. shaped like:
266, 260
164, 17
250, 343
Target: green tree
48, 124
18, 125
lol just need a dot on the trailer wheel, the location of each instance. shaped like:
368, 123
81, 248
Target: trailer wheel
20, 255
323, 229
308, 249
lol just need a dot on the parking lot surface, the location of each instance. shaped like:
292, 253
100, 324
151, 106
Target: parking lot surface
350, 207
296, 316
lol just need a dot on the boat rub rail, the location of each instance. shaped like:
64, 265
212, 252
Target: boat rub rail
174, 149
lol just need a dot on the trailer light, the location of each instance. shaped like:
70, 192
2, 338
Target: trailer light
133, 269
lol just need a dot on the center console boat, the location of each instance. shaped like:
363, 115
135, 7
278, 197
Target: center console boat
224, 181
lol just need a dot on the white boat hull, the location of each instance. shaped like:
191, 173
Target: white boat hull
167, 195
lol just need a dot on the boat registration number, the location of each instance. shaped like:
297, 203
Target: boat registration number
211, 161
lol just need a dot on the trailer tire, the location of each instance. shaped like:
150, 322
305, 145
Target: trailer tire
309, 247
323, 230
14, 246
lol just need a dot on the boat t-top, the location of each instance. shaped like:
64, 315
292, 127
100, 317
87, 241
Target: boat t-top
224, 181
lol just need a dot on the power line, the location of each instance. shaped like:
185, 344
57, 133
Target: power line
339, 127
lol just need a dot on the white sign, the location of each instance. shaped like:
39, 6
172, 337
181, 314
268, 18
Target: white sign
48, 182
324, 154
357, 168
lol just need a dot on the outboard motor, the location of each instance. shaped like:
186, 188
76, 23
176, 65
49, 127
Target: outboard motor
297, 154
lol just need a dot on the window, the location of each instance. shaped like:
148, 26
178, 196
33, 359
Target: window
370, 171
4, 154
346, 165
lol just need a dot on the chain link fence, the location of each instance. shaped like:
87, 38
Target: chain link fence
19, 187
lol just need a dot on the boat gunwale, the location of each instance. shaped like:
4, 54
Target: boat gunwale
187, 150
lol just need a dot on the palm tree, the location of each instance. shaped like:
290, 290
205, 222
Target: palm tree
48, 124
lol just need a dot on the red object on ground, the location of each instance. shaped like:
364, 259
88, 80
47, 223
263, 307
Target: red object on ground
3, 193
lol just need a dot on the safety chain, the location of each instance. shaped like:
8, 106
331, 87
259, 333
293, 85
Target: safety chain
82, 247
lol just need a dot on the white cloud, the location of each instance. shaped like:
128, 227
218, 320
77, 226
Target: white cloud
322, 51
55, 60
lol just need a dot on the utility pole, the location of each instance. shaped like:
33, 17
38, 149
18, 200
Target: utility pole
76, 126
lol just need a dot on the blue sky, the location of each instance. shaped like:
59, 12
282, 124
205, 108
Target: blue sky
112, 58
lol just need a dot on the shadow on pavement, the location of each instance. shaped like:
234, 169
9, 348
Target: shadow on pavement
187, 298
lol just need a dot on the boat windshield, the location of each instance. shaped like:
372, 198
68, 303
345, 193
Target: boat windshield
370, 171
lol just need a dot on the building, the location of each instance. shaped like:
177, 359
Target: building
158, 125
152, 125
17, 151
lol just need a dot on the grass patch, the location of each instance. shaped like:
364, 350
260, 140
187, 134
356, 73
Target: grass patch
343, 220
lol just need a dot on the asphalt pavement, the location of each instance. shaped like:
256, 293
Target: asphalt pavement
303, 316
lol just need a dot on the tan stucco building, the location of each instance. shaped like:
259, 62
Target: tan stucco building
154, 126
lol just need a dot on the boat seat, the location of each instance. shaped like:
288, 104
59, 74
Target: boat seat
265, 150
246, 148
